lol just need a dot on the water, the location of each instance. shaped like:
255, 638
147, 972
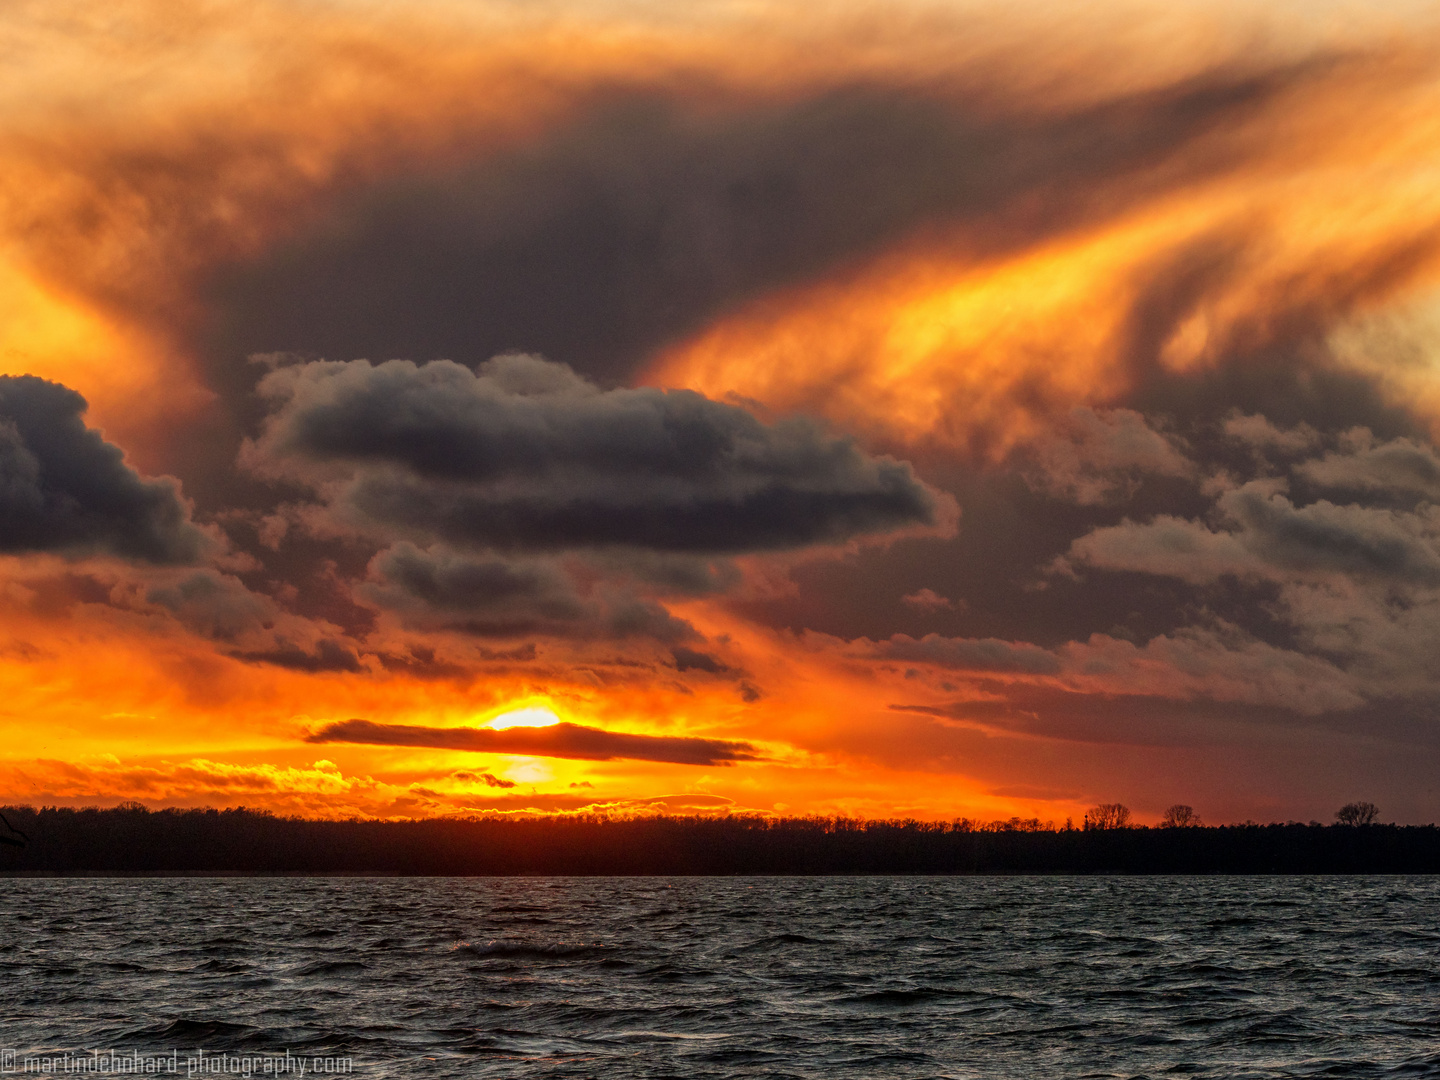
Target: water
1027, 978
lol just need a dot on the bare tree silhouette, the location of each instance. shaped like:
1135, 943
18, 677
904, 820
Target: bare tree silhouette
1110, 815
1180, 816
1357, 813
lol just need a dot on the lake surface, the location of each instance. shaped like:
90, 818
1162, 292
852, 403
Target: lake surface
1029, 978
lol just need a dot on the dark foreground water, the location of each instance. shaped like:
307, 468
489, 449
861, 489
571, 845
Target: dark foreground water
1030, 978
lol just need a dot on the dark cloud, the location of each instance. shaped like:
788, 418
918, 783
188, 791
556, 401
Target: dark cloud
694, 660
214, 605
326, 655
667, 573
508, 591
561, 740
526, 454
495, 596
63, 488
518, 654
645, 217
421, 662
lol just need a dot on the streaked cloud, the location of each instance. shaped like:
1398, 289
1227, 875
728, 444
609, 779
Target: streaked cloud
562, 740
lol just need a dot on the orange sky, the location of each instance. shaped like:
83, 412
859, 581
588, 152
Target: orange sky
1145, 303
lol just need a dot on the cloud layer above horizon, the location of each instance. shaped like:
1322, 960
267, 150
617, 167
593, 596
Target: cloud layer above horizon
927, 410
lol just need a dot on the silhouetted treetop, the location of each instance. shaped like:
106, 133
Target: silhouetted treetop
1180, 816
1110, 815
1357, 813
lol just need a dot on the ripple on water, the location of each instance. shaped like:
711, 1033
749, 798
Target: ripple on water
873, 978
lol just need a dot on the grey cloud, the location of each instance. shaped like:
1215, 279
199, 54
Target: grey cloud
1098, 456
1269, 536
63, 488
1167, 546
561, 740
526, 454
1217, 663
970, 654
1355, 587
493, 596
1326, 538
1401, 466
1254, 430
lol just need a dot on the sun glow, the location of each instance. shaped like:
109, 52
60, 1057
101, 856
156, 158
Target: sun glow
533, 716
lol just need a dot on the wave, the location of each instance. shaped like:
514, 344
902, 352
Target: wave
330, 967
1046, 992
914, 996
183, 1032
498, 948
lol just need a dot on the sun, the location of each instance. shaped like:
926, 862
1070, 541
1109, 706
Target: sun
533, 716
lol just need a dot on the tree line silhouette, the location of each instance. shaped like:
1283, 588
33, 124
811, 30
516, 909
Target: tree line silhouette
133, 840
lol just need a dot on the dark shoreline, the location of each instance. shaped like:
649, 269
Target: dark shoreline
131, 841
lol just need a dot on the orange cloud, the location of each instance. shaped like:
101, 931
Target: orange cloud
1273, 229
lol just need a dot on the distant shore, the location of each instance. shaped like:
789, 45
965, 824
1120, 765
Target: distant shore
135, 841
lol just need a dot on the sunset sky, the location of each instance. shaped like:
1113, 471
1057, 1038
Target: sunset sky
901, 410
